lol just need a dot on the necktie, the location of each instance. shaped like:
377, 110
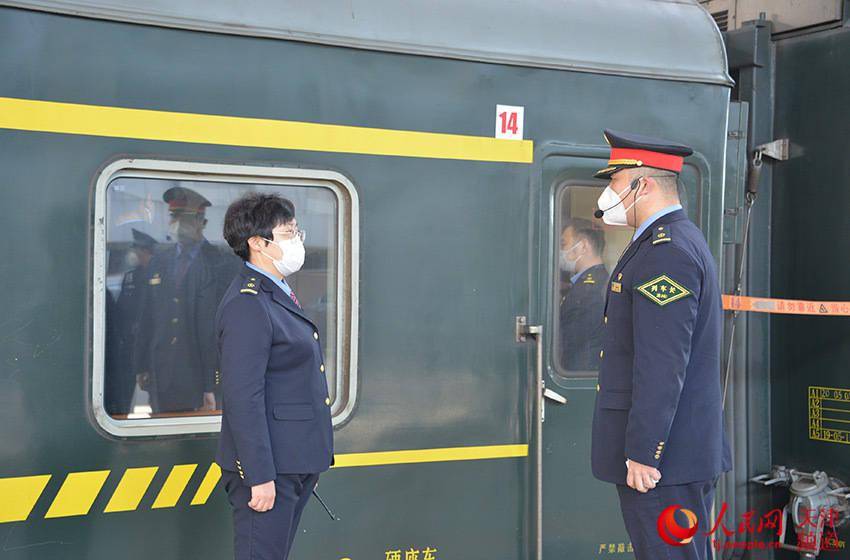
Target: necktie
294, 299
184, 259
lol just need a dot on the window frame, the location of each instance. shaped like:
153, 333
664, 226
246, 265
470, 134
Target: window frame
346, 382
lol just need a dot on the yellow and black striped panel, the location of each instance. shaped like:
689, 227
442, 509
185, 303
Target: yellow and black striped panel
79, 490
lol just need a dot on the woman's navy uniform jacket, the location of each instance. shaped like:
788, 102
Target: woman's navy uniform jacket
659, 399
276, 411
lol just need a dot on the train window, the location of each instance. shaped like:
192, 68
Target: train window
162, 266
586, 250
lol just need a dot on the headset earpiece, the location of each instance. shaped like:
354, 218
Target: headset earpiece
636, 183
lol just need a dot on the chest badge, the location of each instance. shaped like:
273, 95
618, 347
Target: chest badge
616, 287
662, 290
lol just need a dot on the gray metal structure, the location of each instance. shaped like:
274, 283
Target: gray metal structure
604, 36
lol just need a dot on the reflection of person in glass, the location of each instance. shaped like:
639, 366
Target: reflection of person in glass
583, 296
175, 356
276, 431
122, 321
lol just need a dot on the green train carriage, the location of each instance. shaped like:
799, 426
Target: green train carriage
431, 254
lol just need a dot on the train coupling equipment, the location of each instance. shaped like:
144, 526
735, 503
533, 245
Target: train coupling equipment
817, 505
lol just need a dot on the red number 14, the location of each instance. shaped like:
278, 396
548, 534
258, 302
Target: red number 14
508, 122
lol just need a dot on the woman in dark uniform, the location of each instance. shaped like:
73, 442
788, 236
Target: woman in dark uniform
276, 432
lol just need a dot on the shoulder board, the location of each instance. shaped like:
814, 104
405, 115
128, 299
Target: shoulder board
250, 287
661, 235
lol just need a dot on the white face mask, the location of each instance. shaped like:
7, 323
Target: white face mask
567, 264
293, 255
612, 205
132, 259
182, 232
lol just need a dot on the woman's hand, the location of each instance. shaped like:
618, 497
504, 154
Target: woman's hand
262, 496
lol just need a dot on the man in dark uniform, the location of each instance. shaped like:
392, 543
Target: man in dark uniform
658, 420
122, 321
175, 355
276, 430
580, 311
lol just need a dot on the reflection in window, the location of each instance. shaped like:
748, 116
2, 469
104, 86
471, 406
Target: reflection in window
167, 269
586, 251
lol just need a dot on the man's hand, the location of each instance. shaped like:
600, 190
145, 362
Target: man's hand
262, 496
209, 401
641, 477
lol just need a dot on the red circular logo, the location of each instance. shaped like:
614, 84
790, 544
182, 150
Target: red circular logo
669, 529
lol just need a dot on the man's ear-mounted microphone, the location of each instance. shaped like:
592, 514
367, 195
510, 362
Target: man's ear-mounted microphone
634, 184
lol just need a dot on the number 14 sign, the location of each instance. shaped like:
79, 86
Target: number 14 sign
509, 121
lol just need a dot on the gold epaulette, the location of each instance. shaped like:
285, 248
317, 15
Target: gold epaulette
250, 287
662, 235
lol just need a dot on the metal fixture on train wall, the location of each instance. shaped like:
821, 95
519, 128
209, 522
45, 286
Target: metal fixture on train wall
778, 150
818, 505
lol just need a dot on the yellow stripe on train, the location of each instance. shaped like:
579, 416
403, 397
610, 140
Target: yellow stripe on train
80, 490
145, 124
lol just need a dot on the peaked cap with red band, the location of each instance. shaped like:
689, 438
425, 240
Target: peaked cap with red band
635, 150
185, 201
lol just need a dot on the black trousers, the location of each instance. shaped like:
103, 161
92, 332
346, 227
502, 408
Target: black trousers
641, 512
267, 535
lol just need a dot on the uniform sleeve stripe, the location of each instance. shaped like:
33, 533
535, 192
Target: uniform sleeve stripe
207, 485
18, 496
77, 494
131, 489
174, 486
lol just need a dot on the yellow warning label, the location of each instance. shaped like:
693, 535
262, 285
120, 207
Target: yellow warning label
829, 414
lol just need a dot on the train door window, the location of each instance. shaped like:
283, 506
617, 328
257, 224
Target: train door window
586, 250
161, 266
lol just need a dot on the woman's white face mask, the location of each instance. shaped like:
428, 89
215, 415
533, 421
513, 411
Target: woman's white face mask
292, 258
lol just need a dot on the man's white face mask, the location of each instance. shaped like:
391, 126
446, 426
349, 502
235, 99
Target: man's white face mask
611, 204
568, 264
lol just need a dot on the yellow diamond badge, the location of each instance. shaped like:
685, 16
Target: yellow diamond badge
663, 290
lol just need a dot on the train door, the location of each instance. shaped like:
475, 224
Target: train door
572, 255
578, 516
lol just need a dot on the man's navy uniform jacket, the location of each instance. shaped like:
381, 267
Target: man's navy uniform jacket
659, 400
175, 341
580, 320
276, 411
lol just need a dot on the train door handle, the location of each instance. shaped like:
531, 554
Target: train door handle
554, 396
524, 331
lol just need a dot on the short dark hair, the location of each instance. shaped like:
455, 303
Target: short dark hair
255, 214
583, 229
668, 180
